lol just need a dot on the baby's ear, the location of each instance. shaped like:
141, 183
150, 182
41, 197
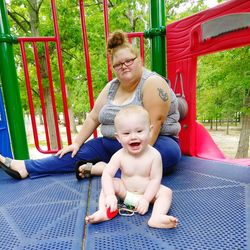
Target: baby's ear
117, 137
151, 129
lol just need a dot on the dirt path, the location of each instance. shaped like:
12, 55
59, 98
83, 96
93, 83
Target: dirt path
227, 143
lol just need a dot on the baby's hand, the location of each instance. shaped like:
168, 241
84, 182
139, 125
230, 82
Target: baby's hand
142, 206
111, 202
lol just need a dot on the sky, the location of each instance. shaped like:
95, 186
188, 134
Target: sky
211, 3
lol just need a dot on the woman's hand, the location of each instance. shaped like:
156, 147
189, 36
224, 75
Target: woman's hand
74, 147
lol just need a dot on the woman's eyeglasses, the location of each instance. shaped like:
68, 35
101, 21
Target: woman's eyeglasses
127, 63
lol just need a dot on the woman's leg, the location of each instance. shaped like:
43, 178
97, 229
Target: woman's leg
107, 148
16, 165
92, 149
170, 152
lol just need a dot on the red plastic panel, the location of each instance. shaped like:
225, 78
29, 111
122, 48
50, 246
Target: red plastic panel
185, 42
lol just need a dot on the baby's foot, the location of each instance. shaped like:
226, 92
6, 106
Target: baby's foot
163, 221
17, 165
98, 216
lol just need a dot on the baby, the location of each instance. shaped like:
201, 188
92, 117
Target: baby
141, 172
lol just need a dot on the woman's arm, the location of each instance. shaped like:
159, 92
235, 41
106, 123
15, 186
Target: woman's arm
90, 124
156, 100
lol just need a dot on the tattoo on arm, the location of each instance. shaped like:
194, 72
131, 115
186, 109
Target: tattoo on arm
163, 95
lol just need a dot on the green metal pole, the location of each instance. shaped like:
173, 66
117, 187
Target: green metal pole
158, 36
11, 89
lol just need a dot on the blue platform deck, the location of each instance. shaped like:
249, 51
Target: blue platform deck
211, 200
45, 213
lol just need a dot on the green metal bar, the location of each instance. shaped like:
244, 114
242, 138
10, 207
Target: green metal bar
11, 91
8, 38
158, 36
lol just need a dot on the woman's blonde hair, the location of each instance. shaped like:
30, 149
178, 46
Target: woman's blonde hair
118, 40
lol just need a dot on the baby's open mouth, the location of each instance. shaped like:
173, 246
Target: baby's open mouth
134, 144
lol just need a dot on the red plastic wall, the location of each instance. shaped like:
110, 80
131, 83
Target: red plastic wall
184, 45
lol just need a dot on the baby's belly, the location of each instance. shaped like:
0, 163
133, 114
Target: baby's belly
136, 184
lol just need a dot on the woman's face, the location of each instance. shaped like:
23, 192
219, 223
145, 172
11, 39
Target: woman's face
127, 65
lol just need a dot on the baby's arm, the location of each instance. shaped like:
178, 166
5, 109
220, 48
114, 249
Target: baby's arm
153, 186
107, 181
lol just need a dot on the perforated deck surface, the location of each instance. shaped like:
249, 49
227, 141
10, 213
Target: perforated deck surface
45, 213
211, 200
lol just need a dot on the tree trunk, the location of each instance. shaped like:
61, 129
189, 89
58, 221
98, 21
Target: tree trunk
50, 118
243, 146
34, 24
227, 126
72, 122
40, 117
211, 124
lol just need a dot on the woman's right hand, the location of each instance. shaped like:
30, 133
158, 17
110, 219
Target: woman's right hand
74, 147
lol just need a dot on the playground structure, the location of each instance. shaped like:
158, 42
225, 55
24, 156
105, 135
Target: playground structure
211, 198
4, 135
220, 28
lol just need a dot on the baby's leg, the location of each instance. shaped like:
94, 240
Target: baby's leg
159, 217
101, 214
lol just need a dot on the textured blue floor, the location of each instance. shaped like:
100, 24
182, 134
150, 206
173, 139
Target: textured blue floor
45, 213
211, 200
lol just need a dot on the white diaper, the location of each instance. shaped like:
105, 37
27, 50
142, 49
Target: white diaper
132, 199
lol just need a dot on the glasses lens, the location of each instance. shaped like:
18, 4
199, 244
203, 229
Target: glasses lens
127, 63
118, 66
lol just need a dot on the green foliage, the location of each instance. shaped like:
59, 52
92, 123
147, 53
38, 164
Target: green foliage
179, 9
223, 84
223, 78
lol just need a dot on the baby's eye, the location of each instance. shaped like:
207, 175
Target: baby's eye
139, 131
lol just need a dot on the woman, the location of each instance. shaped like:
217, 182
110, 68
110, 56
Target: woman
133, 85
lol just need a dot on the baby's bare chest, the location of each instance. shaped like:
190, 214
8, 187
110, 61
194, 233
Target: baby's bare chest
139, 167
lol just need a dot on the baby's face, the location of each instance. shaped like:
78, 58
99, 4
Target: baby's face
133, 132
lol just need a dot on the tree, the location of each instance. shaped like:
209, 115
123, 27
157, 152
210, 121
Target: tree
33, 18
225, 77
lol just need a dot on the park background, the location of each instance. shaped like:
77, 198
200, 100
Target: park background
222, 81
